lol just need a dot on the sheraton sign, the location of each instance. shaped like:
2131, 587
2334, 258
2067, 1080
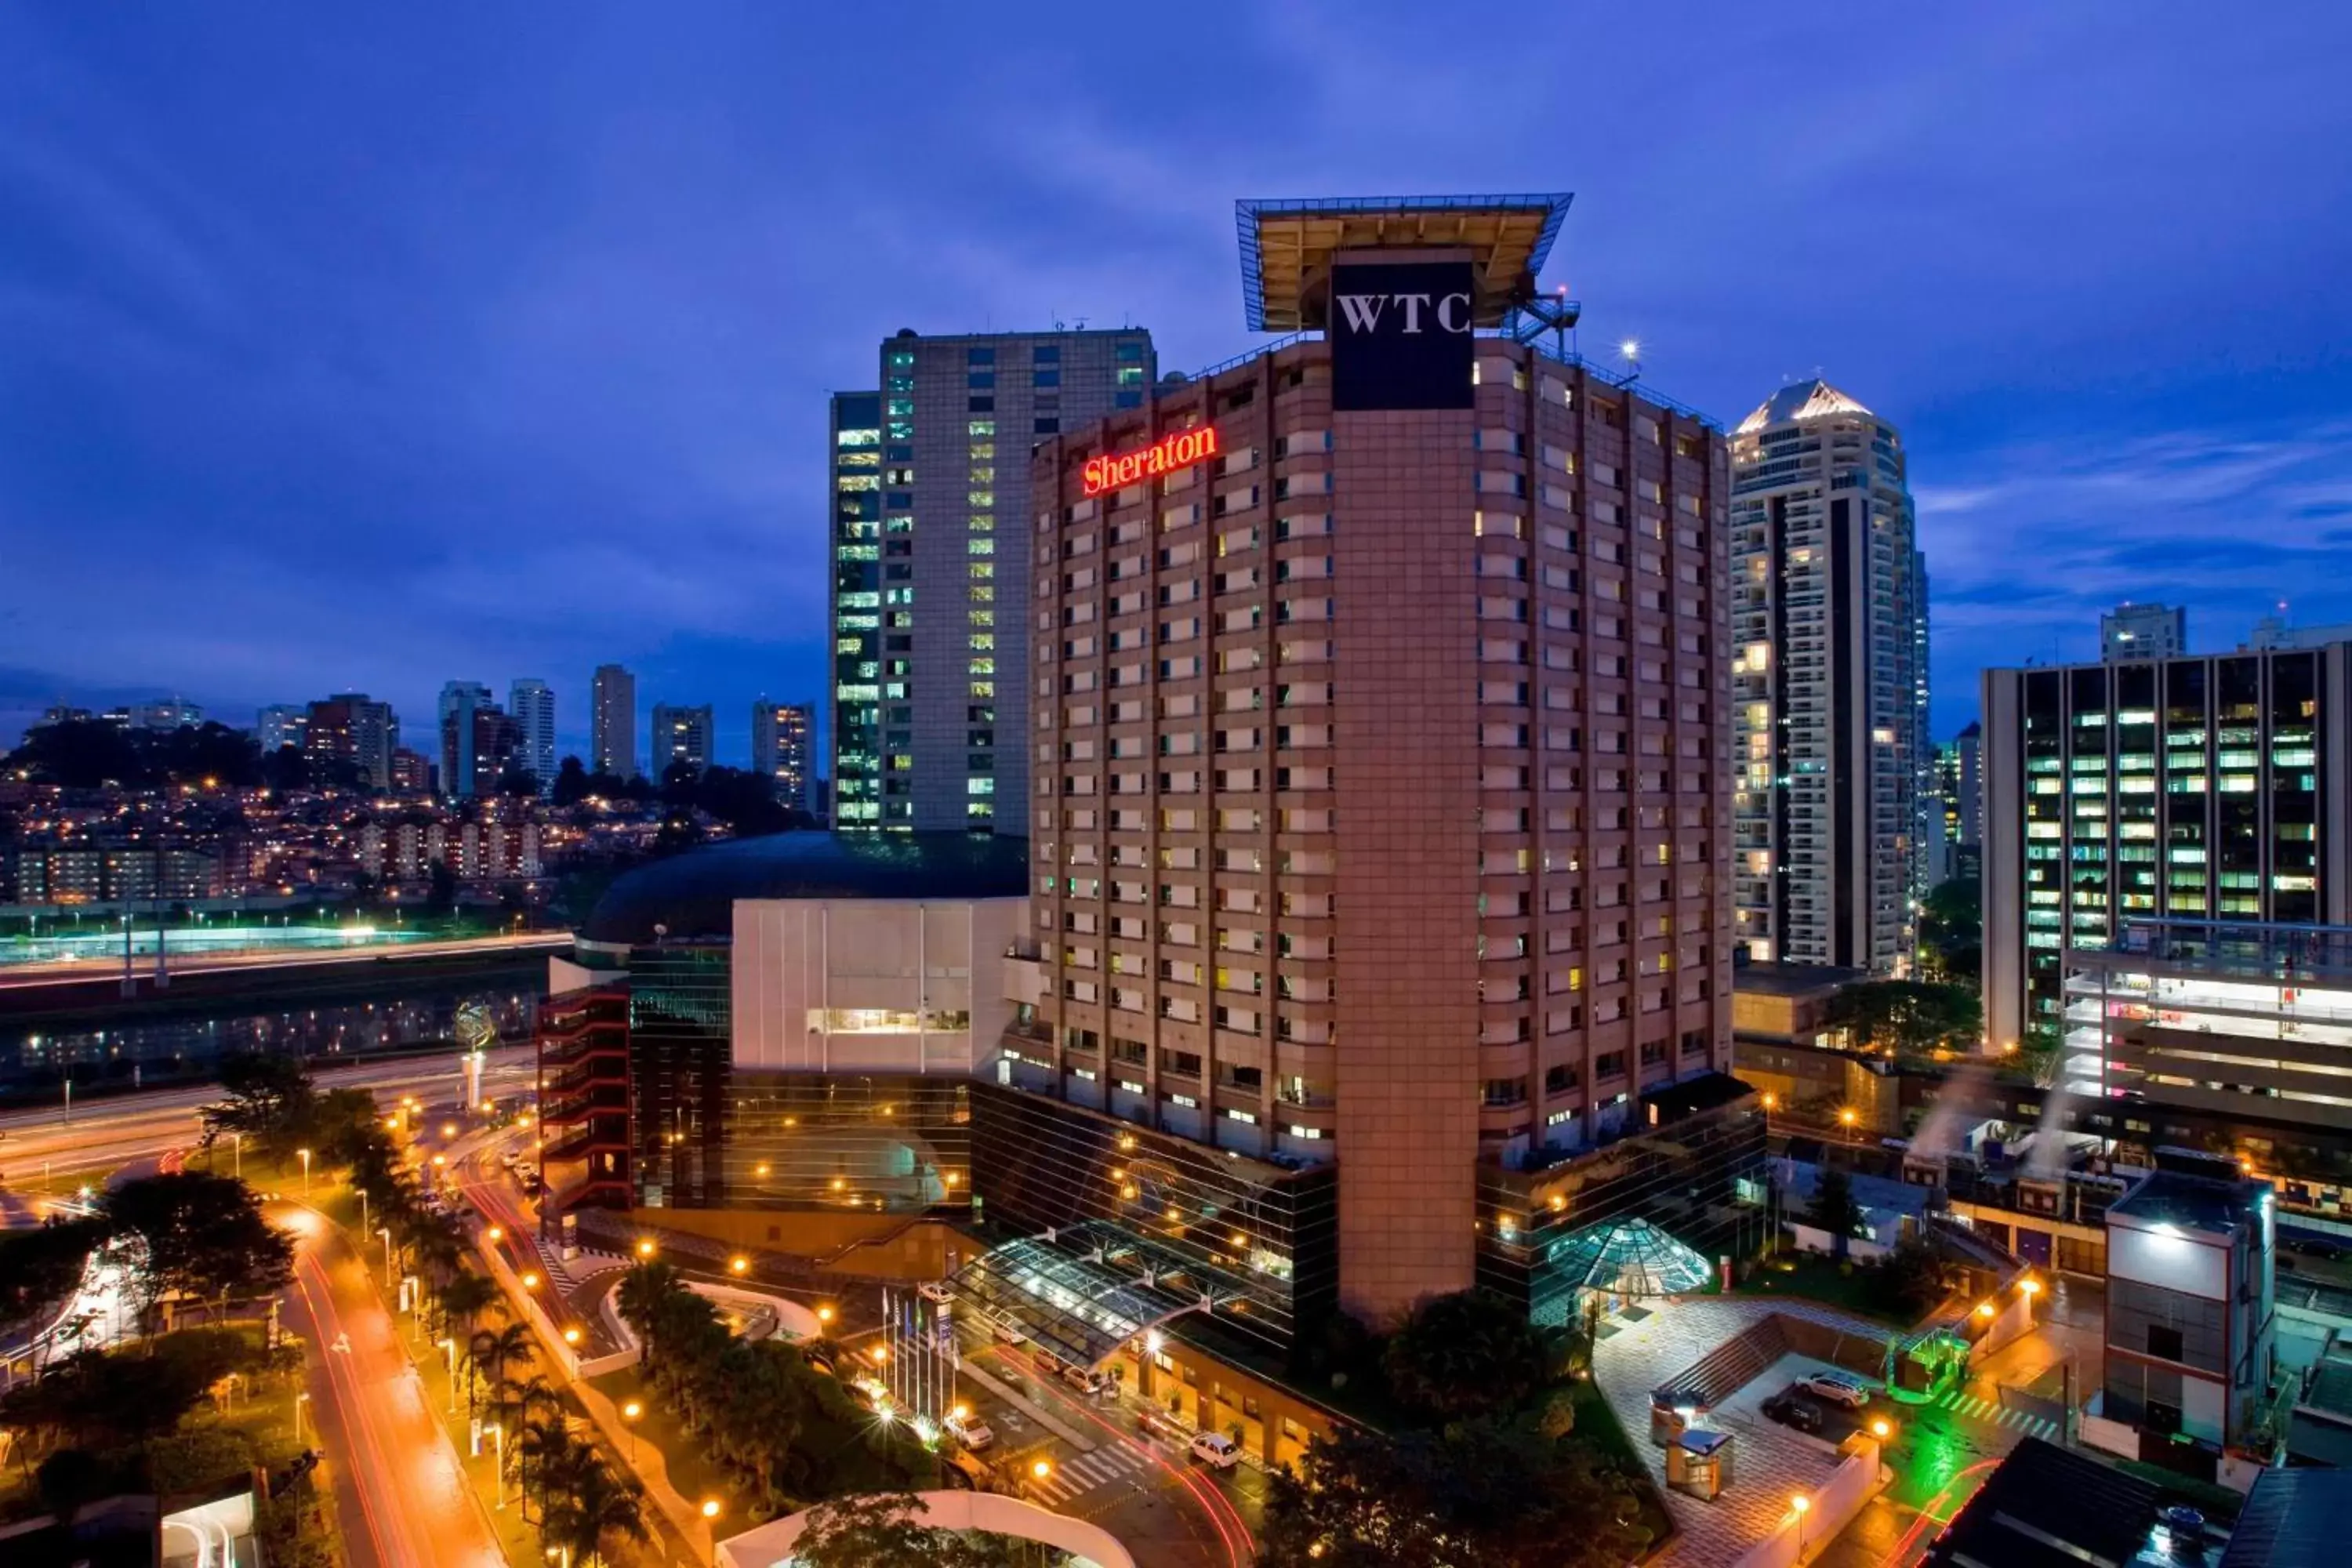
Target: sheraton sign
1116, 469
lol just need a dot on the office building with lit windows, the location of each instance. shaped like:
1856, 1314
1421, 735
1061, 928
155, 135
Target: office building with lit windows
930, 631
2198, 788
1834, 780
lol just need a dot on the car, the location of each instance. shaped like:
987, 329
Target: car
510, 1159
1793, 1413
1837, 1387
1159, 1424
1009, 1333
532, 1186
1214, 1448
938, 1291
969, 1429
1086, 1380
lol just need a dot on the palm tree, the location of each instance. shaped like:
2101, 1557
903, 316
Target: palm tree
491, 1350
544, 1455
596, 1504
643, 1293
465, 1297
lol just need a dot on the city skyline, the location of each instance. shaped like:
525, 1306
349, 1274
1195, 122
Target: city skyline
611, 402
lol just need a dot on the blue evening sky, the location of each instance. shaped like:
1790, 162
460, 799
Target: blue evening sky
374, 346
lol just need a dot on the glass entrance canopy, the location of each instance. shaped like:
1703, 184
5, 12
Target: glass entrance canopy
1626, 1258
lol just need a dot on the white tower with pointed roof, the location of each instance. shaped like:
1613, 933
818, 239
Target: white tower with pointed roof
1832, 765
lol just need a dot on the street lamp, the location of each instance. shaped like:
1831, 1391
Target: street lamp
305, 1154
237, 1147
385, 1231
739, 1264
496, 1233
645, 1249
1880, 1429
530, 1280
824, 1314
630, 1413
710, 1517
1799, 1504
449, 1349
571, 1334
299, 1401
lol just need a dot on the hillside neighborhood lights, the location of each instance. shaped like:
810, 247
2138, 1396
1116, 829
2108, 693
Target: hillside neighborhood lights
1169, 452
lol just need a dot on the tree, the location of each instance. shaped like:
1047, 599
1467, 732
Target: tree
271, 1100
1907, 1016
1916, 1276
492, 1350
1465, 1354
518, 782
644, 1297
571, 784
593, 1505
1833, 1208
465, 1299
1477, 1495
204, 1236
39, 1270
1951, 929
884, 1530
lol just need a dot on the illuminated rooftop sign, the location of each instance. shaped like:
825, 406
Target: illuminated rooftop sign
1113, 470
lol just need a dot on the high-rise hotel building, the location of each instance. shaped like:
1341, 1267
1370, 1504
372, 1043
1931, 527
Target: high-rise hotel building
1360, 929
929, 629
2199, 789
1834, 769
1378, 740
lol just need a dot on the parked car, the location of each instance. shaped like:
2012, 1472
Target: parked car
938, 1291
1086, 1380
1793, 1413
1009, 1333
1159, 1424
1837, 1387
1215, 1448
969, 1429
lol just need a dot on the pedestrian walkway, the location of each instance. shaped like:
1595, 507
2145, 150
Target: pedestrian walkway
1994, 1414
1081, 1473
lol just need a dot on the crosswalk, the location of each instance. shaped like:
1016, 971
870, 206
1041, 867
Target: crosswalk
1077, 1473
1993, 1414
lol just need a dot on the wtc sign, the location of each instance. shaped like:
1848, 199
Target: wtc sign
1400, 335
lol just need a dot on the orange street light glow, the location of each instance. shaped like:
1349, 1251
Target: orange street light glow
645, 1249
496, 1233
710, 1507
631, 1410
572, 1336
739, 1264
530, 1281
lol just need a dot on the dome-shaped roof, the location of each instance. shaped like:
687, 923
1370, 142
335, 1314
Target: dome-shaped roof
693, 895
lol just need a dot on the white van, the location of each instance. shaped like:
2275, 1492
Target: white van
1215, 1448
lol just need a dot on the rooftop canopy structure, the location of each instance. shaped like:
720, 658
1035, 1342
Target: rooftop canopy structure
1287, 246
1083, 1290
1627, 1257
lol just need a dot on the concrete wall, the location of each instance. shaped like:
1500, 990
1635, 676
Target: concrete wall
1800, 1537
799, 960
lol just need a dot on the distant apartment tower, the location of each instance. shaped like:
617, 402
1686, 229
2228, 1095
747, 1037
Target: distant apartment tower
165, 713
489, 744
460, 701
531, 703
352, 730
1832, 765
613, 722
680, 735
932, 634
779, 747
280, 725
2142, 631
411, 773
2192, 788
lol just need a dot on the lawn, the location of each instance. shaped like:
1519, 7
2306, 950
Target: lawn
691, 1473
1810, 1276
1597, 1423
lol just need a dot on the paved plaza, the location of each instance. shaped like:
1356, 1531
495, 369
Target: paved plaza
1771, 1463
